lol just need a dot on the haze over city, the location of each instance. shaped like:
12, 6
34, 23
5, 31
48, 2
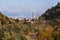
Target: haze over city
25, 8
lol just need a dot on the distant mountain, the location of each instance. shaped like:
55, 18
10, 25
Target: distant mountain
18, 14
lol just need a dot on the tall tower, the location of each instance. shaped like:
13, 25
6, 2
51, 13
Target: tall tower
33, 15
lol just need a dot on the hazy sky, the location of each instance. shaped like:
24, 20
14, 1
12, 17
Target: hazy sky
24, 8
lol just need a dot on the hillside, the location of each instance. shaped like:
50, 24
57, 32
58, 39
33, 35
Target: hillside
4, 20
53, 15
10, 29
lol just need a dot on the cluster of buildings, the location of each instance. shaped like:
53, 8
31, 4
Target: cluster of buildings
31, 19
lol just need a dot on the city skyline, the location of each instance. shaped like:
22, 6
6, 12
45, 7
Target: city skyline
25, 8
